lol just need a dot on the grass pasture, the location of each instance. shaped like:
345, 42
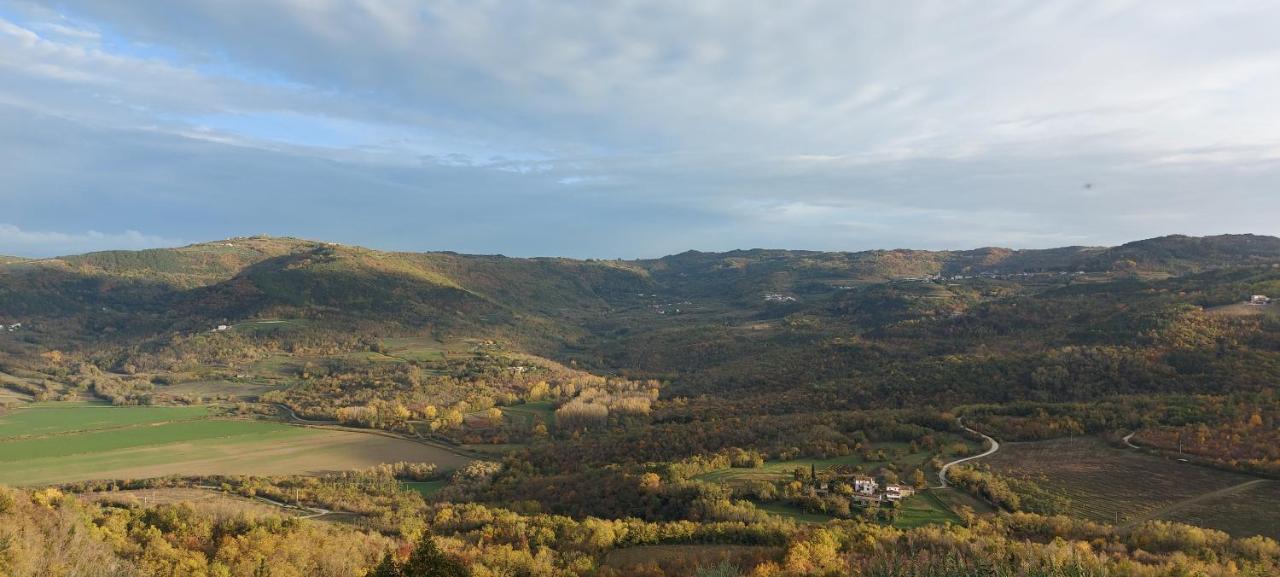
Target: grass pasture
922, 509
67, 442
54, 418
531, 413
1104, 482
426, 488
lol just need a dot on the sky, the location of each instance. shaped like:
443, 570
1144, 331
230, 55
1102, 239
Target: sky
636, 128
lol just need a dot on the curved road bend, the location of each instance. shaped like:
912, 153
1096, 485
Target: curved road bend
995, 446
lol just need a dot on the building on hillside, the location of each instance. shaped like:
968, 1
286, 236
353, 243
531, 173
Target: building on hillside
1259, 300
864, 485
898, 492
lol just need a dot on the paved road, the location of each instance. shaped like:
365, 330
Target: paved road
1128, 440
995, 446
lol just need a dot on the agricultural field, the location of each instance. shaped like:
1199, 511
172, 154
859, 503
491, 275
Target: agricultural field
1253, 510
62, 442
1106, 483
42, 419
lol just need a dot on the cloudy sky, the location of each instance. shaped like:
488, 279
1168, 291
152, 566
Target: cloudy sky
635, 128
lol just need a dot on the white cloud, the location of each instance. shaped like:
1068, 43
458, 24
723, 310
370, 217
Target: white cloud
15, 241
644, 127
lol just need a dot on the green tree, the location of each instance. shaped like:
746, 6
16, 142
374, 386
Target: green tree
427, 560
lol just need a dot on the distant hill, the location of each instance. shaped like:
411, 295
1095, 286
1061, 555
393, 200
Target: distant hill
192, 286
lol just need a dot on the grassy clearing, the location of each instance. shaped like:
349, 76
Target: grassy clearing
1105, 483
418, 349
543, 411
141, 442
52, 418
262, 326
953, 499
426, 488
922, 509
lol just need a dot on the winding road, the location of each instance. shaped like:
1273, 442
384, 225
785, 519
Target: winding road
995, 446
1128, 440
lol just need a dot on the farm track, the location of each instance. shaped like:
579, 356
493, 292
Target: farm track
1183, 504
995, 446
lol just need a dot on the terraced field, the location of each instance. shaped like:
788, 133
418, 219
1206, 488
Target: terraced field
64, 442
1105, 483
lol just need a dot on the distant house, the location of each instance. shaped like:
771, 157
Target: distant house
13, 327
221, 328
864, 485
897, 492
1259, 300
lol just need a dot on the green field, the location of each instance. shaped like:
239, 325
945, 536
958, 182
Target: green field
543, 411
52, 418
924, 509
65, 442
916, 511
426, 488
